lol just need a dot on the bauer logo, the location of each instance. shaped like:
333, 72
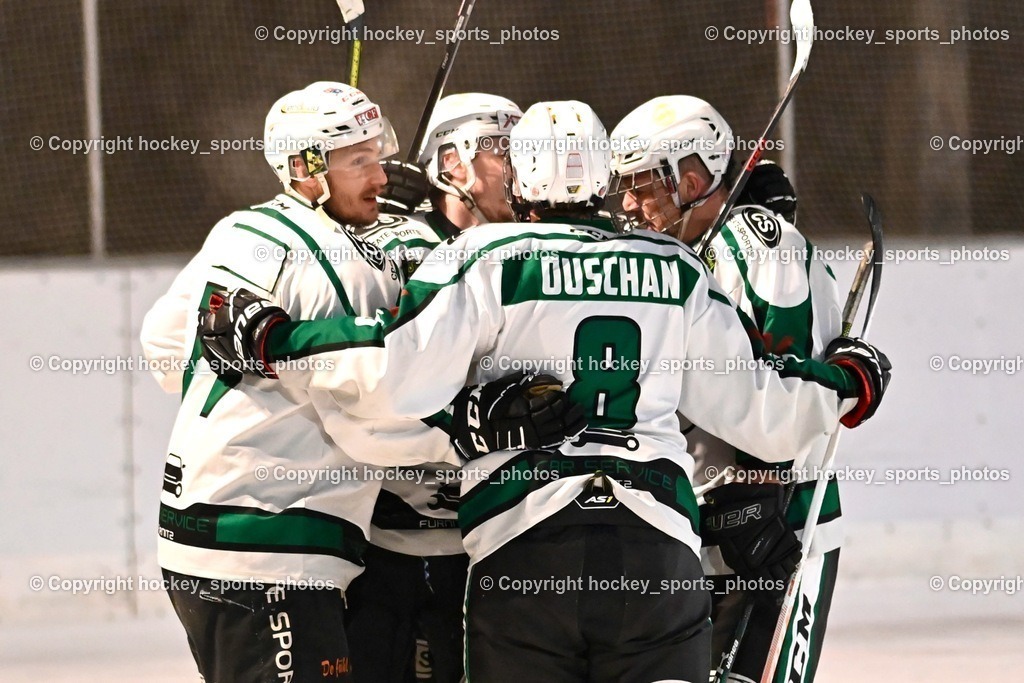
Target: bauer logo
363, 118
764, 226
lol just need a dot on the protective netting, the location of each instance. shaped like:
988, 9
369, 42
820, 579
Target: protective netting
866, 113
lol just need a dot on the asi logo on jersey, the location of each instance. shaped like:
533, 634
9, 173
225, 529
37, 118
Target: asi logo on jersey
764, 225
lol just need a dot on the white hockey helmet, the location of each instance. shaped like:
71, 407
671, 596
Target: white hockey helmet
322, 116
660, 133
459, 122
559, 156
667, 129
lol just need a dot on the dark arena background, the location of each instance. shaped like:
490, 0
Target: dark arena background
863, 114
918, 102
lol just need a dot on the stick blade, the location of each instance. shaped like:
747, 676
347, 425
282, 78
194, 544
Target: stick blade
801, 19
350, 9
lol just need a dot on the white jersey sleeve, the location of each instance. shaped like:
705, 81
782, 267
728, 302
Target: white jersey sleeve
165, 328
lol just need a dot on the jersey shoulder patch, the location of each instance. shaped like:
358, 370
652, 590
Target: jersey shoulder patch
763, 224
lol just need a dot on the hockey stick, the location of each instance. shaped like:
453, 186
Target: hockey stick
352, 14
452, 47
801, 19
874, 264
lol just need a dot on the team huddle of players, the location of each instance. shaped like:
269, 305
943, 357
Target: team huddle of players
333, 337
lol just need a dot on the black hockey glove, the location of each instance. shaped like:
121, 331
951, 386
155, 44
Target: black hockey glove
869, 368
234, 333
769, 186
515, 412
748, 524
406, 189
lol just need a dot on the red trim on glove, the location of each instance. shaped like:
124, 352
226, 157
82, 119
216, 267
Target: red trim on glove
261, 349
864, 397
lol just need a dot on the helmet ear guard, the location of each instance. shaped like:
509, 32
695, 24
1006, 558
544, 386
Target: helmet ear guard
314, 161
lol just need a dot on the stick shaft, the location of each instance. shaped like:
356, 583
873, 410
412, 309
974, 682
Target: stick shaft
451, 49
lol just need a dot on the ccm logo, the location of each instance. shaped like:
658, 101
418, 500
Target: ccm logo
363, 118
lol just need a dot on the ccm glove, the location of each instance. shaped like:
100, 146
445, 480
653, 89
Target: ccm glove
406, 189
234, 332
769, 186
516, 412
748, 524
869, 367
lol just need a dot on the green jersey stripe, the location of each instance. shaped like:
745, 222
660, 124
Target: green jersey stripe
243, 226
240, 277
801, 504
317, 251
245, 529
785, 329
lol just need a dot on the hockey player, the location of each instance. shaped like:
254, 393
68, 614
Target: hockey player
463, 153
613, 514
416, 566
678, 184
267, 521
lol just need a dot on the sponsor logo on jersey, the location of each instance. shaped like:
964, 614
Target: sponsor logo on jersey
610, 437
387, 220
764, 226
373, 254
173, 474
446, 498
597, 494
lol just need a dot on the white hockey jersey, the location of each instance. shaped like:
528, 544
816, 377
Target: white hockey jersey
632, 324
770, 270
416, 515
256, 486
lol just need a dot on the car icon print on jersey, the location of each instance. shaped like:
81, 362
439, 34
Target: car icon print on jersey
173, 475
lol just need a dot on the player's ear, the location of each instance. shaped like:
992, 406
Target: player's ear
691, 186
